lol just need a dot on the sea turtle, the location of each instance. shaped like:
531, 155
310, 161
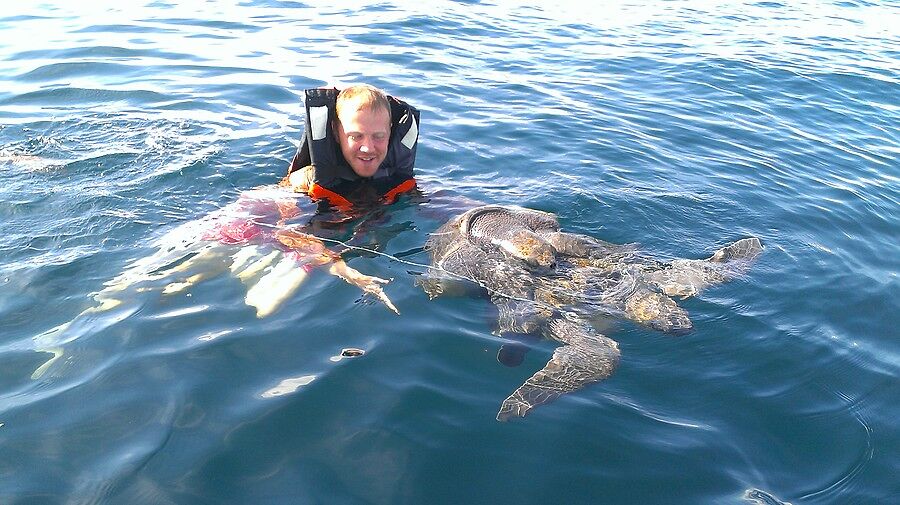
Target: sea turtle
550, 282
248, 237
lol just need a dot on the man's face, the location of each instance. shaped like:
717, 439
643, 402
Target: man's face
363, 136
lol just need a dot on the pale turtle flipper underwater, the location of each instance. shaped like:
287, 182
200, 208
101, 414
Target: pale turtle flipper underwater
587, 357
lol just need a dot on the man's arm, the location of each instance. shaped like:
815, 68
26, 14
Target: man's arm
299, 180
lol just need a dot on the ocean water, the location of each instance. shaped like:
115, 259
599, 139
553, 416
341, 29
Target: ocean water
678, 125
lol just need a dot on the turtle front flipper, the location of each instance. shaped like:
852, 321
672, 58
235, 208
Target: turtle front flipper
745, 250
587, 358
686, 278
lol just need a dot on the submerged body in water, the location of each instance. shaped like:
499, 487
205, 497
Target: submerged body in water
547, 281
248, 239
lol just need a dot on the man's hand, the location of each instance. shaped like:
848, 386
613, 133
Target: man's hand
300, 180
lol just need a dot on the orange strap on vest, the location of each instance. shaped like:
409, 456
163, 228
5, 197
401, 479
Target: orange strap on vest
403, 187
318, 192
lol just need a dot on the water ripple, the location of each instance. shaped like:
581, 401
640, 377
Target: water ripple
680, 126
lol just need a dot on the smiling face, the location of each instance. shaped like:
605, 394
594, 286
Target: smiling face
363, 132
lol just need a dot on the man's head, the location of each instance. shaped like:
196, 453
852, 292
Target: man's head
363, 127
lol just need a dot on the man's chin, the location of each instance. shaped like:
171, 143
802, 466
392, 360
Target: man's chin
365, 169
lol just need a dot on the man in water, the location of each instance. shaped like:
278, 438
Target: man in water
359, 146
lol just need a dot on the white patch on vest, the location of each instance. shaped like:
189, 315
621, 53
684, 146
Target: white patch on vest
409, 140
318, 122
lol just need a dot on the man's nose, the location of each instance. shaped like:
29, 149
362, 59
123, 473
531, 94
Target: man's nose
364, 148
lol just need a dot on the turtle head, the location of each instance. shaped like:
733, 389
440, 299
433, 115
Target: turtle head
530, 248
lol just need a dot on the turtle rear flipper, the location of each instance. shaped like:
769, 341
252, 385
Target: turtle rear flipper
588, 357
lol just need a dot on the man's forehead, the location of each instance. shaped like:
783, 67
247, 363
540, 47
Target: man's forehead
365, 114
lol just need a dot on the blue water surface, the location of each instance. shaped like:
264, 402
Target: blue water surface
678, 125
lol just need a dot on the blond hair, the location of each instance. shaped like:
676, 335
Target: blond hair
366, 97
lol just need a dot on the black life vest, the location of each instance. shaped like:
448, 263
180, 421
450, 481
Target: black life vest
333, 179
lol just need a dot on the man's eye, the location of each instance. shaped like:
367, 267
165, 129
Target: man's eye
379, 136
354, 137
